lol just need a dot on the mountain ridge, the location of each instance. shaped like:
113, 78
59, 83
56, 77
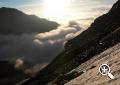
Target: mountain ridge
11, 18
90, 69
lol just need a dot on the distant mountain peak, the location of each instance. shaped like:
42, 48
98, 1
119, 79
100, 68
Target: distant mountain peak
10, 10
13, 21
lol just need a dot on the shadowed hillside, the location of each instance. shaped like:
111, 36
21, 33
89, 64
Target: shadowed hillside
13, 21
89, 70
101, 35
9, 75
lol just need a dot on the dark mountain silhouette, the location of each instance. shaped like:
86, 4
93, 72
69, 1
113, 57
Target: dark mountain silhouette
9, 75
101, 35
13, 21
7, 69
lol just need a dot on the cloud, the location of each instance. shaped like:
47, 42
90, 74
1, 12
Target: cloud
35, 48
18, 63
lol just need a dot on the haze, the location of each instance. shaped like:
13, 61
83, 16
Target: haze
62, 11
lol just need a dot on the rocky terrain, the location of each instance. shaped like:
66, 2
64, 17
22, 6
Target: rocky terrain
79, 55
90, 69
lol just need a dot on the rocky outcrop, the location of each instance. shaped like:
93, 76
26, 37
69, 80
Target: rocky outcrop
90, 69
101, 35
13, 21
102, 26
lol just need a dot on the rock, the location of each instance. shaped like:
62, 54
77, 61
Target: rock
92, 76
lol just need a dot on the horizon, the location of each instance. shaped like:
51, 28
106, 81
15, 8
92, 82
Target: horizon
81, 11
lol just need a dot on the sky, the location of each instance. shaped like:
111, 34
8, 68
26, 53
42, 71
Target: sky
62, 11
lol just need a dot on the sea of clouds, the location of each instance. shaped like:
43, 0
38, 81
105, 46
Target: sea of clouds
36, 50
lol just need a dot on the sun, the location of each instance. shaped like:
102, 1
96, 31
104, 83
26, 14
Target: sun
55, 9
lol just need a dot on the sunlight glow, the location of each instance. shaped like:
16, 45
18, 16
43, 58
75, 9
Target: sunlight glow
56, 9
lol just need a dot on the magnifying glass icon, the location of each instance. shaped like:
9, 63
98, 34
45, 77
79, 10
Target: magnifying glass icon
104, 69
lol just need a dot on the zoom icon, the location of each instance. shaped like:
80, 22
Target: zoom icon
104, 69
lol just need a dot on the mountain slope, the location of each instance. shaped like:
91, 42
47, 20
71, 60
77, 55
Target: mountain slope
91, 75
101, 35
13, 21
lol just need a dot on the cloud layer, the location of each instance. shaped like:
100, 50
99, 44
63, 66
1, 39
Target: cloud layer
35, 48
